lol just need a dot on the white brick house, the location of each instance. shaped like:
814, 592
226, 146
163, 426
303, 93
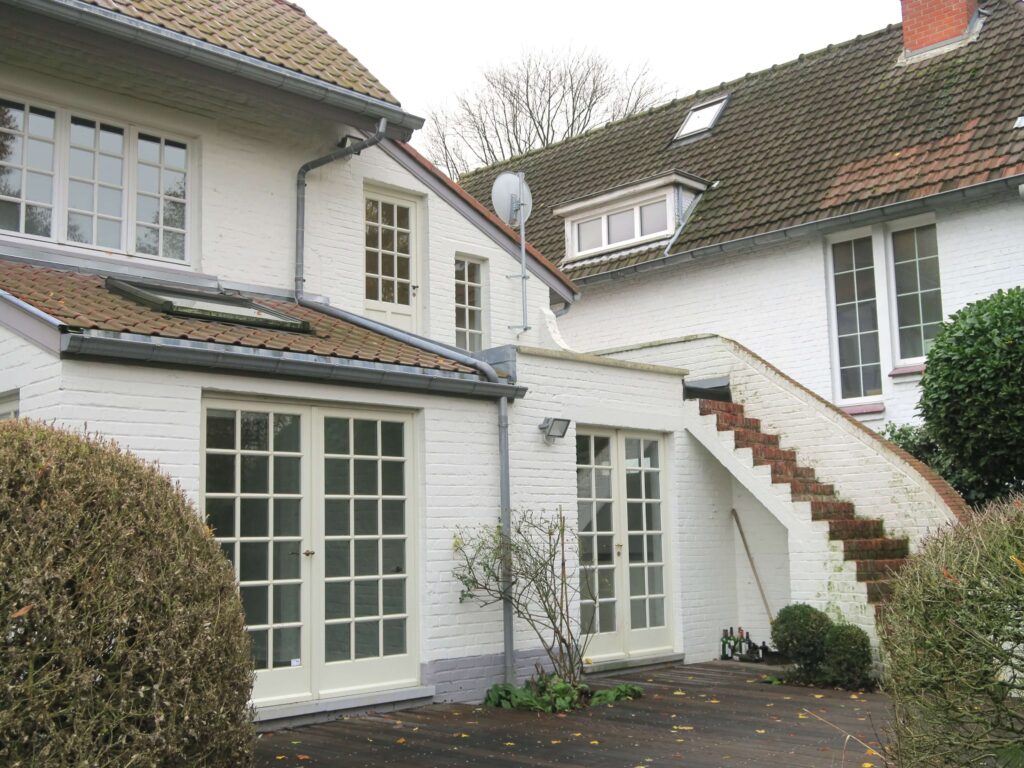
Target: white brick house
906, 144
335, 422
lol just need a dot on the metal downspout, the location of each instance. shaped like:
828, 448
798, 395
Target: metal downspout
485, 369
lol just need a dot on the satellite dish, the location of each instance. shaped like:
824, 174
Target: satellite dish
505, 197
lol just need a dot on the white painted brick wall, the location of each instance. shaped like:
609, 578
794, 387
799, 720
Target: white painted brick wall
32, 373
879, 482
773, 299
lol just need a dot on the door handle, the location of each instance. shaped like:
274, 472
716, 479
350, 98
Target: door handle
309, 553
618, 550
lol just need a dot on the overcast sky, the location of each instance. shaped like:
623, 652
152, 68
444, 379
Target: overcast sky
427, 52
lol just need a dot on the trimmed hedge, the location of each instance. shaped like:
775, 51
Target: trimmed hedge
121, 631
972, 398
953, 645
799, 632
847, 662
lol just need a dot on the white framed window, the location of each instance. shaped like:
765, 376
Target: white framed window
623, 226
71, 177
856, 318
886, 303
389, 250
469, 304
9, 405
701, 117
917, 290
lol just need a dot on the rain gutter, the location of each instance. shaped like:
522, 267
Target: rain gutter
832, 224
216, 57
232, 359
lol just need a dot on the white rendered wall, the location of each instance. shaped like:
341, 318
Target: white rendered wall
774, 299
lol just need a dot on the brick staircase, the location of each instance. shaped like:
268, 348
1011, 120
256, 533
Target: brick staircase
876, 555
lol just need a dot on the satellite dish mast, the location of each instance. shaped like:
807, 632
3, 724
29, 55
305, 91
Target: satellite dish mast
512, 201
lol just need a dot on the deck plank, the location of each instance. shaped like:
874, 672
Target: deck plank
715, 715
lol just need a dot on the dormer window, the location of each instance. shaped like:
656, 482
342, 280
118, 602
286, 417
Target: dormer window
701, 117
637, 222
640, 213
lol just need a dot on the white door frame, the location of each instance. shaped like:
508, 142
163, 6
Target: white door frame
313, 678
624, 641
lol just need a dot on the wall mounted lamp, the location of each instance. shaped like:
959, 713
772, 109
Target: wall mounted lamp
554, 429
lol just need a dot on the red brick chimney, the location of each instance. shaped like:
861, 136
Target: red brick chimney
931, 22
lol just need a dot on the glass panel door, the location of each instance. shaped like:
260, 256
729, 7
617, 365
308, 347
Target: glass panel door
366, 565
595, 503
623, 600
255, 504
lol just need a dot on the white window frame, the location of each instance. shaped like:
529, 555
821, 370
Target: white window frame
61, 182
10, 405
485, 303
415, 261
885, 302
719, 101
603, 213
890, 254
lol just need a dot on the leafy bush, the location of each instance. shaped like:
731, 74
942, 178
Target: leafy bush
953, 645
847, 662
121, 631
799, 633
972, 396
550, 693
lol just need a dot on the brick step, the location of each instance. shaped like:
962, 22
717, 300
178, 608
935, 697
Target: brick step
832, 510
727, 421
874, 570
812, 487
748, 437
879, 591
708, 407
855, 529
875, 549
814, 497
788, 471
765, 453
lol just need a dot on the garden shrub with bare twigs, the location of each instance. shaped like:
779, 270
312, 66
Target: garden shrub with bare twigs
953, 645
121, 631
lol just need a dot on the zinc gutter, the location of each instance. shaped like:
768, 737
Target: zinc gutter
217, 57
230, 359
832, 224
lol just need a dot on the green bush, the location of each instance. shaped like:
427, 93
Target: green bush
798, 632
953, 645
121, 631
847, 663
550, 693
972, 397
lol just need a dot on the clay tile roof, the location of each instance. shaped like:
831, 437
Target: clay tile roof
274, 31
834, 132
82, 301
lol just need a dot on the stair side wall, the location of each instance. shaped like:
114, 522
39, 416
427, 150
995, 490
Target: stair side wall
882, 481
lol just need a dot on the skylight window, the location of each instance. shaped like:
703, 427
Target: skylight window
701, 117
228, 309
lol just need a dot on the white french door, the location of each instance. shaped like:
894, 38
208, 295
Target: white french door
623, 598
312, 507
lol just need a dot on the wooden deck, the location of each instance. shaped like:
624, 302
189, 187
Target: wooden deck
700, 716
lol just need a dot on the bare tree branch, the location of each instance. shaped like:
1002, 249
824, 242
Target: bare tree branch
541, 99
